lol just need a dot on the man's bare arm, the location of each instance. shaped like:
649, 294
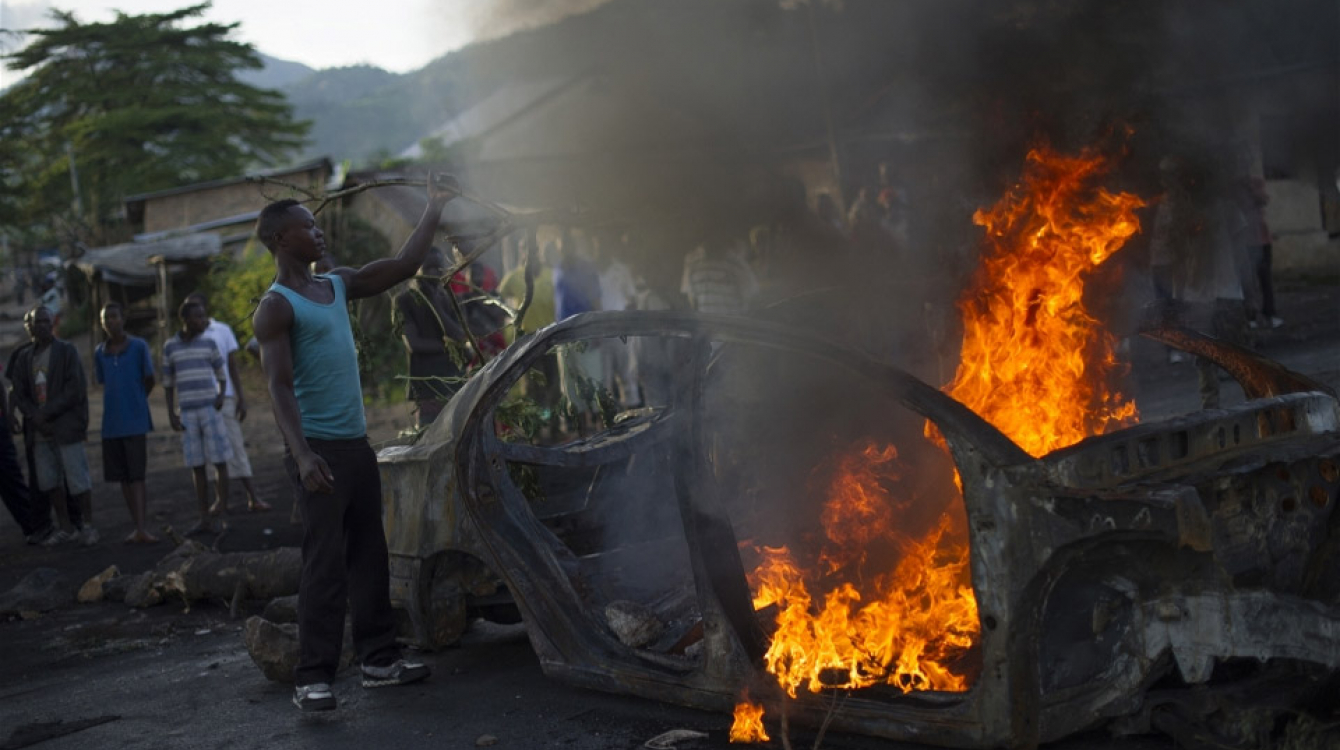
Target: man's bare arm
380, 275
272, 323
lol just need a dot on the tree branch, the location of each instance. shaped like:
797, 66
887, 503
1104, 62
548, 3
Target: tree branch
528, 273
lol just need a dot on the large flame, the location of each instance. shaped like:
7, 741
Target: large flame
1036, 365
1034, 362
904, 627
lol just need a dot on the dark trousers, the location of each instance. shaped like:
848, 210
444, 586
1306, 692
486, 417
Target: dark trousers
13, 491
344, 557
1229, 323
1264, 261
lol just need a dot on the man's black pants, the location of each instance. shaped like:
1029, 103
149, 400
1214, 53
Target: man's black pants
13, 491
344, 556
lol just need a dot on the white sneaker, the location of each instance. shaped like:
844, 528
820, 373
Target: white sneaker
315, 697
89, 536
1176, 357
1276, 322
57, 538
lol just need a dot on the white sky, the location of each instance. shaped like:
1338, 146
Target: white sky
399, 35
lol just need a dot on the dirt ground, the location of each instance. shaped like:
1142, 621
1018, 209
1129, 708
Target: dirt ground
105, 676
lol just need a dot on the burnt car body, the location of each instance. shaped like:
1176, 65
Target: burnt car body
1200, 551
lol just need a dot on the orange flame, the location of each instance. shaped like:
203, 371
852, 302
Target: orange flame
748, 725
903, 628
1035, 364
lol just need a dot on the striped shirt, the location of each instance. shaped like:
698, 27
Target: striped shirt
195, 369
719, 286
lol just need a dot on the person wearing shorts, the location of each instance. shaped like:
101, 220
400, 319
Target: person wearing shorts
234, 407
124, 367
52, 395
193, 379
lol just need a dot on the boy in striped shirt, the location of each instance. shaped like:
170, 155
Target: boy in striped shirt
193, 377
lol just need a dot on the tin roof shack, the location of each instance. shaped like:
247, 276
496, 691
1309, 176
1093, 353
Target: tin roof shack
141, 275
226, 207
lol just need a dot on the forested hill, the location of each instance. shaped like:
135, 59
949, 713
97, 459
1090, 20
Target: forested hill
703, 55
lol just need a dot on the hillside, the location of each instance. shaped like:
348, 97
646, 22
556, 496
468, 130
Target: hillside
723, 60
276, 73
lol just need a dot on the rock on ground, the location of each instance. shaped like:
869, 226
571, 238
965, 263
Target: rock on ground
92, 590
282, 609
42, 590
274, 648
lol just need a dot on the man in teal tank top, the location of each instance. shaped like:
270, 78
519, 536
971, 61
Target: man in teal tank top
307, 349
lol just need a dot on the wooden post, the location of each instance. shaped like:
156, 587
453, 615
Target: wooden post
94, 305
164, 296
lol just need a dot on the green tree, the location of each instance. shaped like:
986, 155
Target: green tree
142, 103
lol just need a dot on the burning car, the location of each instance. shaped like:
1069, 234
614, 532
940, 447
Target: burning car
1067, 566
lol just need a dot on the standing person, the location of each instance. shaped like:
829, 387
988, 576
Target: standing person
52, 394
193, 379
427, 324
51, 299
544, 390
618, 291
39, 504
311, 364
124, 367
577, 290
513, 287
13, 491
1253, 198
717, 283
1196, 252
234, 406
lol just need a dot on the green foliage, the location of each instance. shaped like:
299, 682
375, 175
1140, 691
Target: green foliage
74, 320
235, 285
143, 102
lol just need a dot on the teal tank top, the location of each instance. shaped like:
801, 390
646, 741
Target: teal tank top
325, 365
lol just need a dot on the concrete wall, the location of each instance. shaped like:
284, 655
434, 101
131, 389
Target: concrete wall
1301, 243
207, 204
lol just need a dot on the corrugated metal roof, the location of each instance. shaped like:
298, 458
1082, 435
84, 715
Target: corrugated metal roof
129, 264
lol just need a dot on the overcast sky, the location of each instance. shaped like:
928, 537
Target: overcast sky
399, 35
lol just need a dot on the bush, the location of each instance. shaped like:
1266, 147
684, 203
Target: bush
234, 287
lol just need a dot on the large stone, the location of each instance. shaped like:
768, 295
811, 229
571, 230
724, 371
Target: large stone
282, 609
42, 590
274, 648
634, 624
92, 590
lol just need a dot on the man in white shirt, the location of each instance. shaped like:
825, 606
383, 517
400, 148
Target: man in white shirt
617, 292
234, 408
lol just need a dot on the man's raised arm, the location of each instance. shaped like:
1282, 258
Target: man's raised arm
271, 324
380, 275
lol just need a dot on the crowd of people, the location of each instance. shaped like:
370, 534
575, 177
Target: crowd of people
47, 402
